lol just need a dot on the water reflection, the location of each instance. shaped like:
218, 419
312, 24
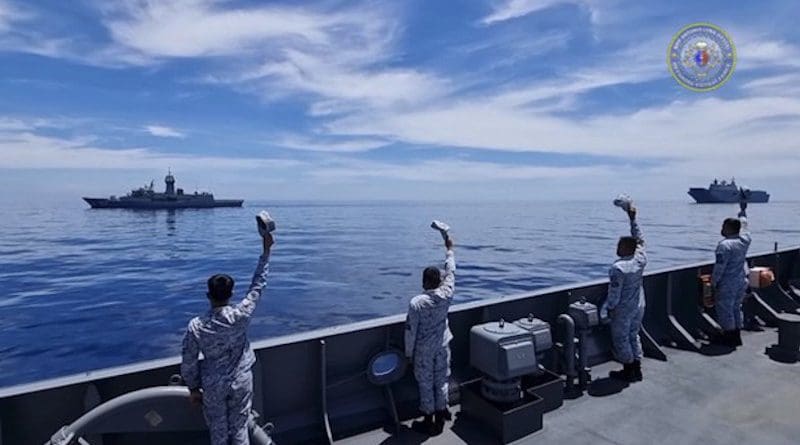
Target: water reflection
171, 222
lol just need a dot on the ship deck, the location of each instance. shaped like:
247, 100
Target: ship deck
308, 382
741, 397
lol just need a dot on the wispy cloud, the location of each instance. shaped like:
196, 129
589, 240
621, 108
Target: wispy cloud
23, 146
163, 131
777, 85
758, 52
680, 129
451, 171
195, 28
511, 9
5, 15
328, 144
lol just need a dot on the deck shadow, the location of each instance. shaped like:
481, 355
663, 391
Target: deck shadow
471, 432
606, 386
713, 350
404, 435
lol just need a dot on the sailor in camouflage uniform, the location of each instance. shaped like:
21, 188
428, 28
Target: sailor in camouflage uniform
729, 277
625, 304
426, 342
225, 375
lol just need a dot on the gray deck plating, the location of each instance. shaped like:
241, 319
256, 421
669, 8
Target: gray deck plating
739, 398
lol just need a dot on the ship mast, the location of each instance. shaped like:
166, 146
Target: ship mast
170, 181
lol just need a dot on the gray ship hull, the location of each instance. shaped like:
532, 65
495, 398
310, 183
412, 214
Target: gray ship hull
706, 196
150, 204
313, 385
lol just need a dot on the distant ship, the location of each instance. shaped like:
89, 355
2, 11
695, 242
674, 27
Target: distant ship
726, 192
146, 198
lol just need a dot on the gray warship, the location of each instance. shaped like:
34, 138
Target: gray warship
725, 192
146, 198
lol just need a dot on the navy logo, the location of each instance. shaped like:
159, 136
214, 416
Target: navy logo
701, 57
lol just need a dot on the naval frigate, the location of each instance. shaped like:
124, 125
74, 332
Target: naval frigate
726, 192
172, 198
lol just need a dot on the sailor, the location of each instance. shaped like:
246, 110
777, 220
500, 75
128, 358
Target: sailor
223, 381
625, 303
729, 278
426, 342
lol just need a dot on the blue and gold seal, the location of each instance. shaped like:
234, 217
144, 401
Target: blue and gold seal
701, 57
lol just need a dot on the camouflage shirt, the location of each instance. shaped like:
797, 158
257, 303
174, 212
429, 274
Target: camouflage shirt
221, 335
730, 267
426, 322
625, 276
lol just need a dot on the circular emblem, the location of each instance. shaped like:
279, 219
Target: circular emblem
701, 57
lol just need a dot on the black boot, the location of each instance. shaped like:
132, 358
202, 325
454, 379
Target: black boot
425, 426
736, 337
626, 374
637, 371
440, 418
753, 326
724, 338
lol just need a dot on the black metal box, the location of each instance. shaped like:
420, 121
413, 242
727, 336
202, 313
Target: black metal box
549, 386
509, 422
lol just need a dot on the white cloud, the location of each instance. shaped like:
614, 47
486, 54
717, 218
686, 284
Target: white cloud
778, 85
11, 14
703, 128
754, 53
450, 171
340, 145
193, 28
24, 29
5, 13
21, 148
338, 58
511, 9
164, 131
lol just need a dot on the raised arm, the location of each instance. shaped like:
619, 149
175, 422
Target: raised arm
743, 214
447, 288
190, 367
636, 232
248, 305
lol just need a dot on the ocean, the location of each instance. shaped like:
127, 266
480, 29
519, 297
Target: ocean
87, 289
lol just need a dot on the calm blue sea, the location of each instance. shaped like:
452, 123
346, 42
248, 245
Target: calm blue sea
86, 289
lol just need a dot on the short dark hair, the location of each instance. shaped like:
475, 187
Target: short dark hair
431, 278
732, 224
220, 287
628, 243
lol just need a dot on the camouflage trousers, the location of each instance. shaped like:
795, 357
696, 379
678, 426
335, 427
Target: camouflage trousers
625, 326
728, 306
227, 409
432, 369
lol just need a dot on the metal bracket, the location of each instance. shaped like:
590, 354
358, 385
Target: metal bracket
677, 332
324, 391
650, 347
64, 436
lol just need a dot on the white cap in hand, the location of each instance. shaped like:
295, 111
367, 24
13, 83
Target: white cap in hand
266, 224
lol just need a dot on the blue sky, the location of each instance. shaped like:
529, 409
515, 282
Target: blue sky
494, 99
